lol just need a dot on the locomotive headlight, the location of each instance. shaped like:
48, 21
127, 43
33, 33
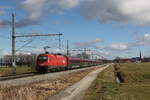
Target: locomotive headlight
64, 61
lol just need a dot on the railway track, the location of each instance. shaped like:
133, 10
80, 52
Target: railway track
11, 77
25, 75
20, 80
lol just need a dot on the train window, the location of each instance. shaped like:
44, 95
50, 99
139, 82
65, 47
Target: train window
42, 58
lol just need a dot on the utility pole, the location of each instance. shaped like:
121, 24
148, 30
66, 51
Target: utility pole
59, 42
13, 44
67, 48
14, 36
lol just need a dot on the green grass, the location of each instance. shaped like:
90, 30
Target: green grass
136, 84
19, 70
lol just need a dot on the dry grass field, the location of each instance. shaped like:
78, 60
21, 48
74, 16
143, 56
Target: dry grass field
8, 70
42, 90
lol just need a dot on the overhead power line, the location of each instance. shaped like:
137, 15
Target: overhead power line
25, 44
37, 35
14, 36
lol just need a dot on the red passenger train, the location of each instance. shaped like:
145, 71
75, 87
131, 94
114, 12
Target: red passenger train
47, 61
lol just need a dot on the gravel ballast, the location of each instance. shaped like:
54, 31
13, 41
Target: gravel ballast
38, 78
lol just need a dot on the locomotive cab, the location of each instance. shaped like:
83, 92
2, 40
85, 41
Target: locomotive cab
46, 62
42, 63
42, 58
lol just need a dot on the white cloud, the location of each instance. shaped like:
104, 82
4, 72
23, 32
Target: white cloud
4, 52
121, 11
3, 9
138, 41
24, 53
124, 11
87, 44
34, 7
141, 41
118, 46
2, 12
68, 3
38, 51
38, 8
59, 51
147, 36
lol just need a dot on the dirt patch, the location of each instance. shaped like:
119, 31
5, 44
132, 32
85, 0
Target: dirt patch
40, 91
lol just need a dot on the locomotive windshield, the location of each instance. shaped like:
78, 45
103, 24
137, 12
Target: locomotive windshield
42, 58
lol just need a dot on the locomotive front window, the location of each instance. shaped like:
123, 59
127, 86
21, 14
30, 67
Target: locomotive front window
42, 58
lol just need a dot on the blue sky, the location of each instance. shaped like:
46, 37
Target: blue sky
110, 28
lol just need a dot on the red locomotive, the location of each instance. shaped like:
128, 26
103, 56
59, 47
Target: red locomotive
49, 61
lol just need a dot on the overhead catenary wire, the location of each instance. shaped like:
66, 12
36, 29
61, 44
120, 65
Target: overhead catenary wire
25, 44
30, 41
42, 42
14, 37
